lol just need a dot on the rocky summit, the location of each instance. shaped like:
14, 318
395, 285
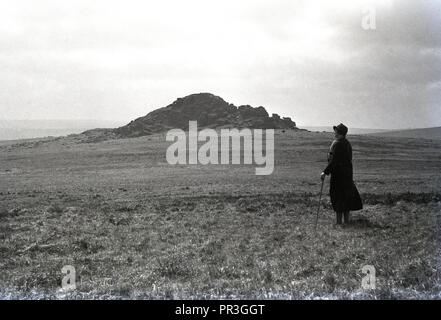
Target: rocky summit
209, 111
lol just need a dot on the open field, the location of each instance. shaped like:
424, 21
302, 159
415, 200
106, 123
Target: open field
135, 227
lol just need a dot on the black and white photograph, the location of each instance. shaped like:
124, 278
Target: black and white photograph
220, 150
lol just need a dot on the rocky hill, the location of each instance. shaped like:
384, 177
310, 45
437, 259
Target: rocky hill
209, 110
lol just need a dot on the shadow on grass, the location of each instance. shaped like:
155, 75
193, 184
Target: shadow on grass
365, 223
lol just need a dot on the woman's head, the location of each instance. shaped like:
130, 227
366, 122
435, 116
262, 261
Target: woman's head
340, 131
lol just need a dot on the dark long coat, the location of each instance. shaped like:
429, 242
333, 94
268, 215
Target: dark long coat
343, 192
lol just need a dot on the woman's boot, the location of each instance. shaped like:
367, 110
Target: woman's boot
339, 217
346, 217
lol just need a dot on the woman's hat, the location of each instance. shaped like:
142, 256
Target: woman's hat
341, 129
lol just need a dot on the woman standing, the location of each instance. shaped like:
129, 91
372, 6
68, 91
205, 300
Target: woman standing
343, 192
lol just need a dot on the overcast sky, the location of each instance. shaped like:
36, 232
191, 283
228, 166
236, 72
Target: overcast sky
310, 60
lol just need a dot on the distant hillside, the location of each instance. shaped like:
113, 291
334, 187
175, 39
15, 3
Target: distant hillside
425, 133
351, 130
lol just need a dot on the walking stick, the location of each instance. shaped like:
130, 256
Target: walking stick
320, 200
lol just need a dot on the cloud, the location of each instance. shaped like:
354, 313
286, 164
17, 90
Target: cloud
310, 60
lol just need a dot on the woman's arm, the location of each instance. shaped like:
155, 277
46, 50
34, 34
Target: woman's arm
335, 156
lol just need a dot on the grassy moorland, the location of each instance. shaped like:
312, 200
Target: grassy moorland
135, 227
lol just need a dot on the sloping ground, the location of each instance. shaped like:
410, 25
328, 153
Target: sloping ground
425, 133
30, 129
135, 227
